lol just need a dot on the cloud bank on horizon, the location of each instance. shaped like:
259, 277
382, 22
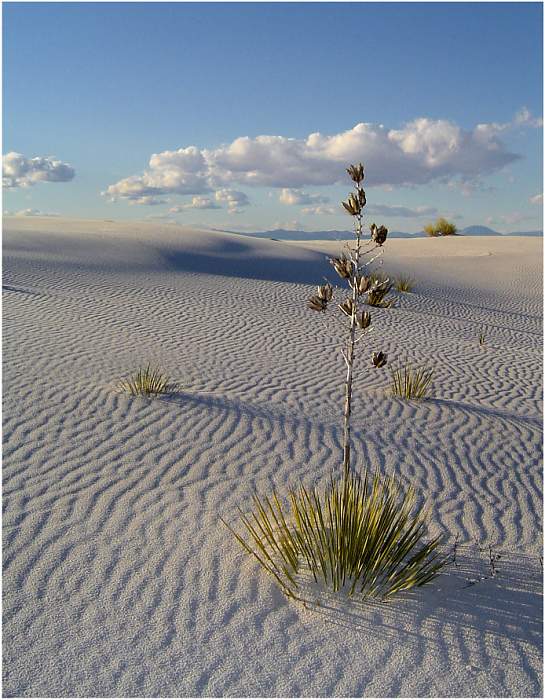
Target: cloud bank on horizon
30, 212
422, 151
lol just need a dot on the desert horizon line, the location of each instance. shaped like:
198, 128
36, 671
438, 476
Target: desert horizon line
256, 230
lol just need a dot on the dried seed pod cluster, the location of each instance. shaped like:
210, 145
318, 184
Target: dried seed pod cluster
343, 267
362, 283
325, 291
319, 301
363, 319
356, 173
348, 307
379, 359
355, 203
378, 234
317, 304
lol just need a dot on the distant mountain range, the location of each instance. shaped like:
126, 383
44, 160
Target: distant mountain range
485, 231
281, 234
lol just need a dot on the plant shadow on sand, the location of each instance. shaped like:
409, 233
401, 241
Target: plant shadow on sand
508, 606
324, 419
488, 412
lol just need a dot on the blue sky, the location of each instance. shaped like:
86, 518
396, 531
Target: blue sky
244, 115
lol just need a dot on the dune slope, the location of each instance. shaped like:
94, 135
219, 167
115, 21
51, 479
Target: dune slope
120, 580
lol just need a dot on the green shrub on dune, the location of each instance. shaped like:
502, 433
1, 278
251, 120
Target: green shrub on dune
359, 534
147, 382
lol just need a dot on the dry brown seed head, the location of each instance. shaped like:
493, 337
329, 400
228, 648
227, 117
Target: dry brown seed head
347, 307
356, 172
317, 304
362, 284
379, 359
348, 208
364, 319
325, 292
354, 202
343, 267
378, 234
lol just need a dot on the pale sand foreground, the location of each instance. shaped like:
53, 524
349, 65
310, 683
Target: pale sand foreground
119, 578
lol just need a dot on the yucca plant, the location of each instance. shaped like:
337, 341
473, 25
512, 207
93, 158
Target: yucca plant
147, 381
409, 383
404, 283
360, 535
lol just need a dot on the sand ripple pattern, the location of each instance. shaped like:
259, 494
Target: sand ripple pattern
119, 579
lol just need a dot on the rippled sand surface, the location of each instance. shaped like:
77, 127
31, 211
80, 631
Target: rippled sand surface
119, 578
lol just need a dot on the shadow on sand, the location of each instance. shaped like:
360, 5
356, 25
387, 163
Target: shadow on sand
230, 258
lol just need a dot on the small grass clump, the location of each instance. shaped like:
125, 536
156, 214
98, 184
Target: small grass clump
362, 535
404, 283
482, 338
148, 382
378, 277
378, 296
409, 383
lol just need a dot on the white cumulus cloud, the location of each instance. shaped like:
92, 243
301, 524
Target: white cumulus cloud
234, 199
20, 171
321, 210
536, 199
184, 171
198, 202
293, 196
148, 200
421, 151
524, 118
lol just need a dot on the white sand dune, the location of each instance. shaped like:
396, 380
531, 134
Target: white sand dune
120, 580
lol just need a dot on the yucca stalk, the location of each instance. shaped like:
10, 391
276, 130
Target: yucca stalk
351, 268
350, 350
